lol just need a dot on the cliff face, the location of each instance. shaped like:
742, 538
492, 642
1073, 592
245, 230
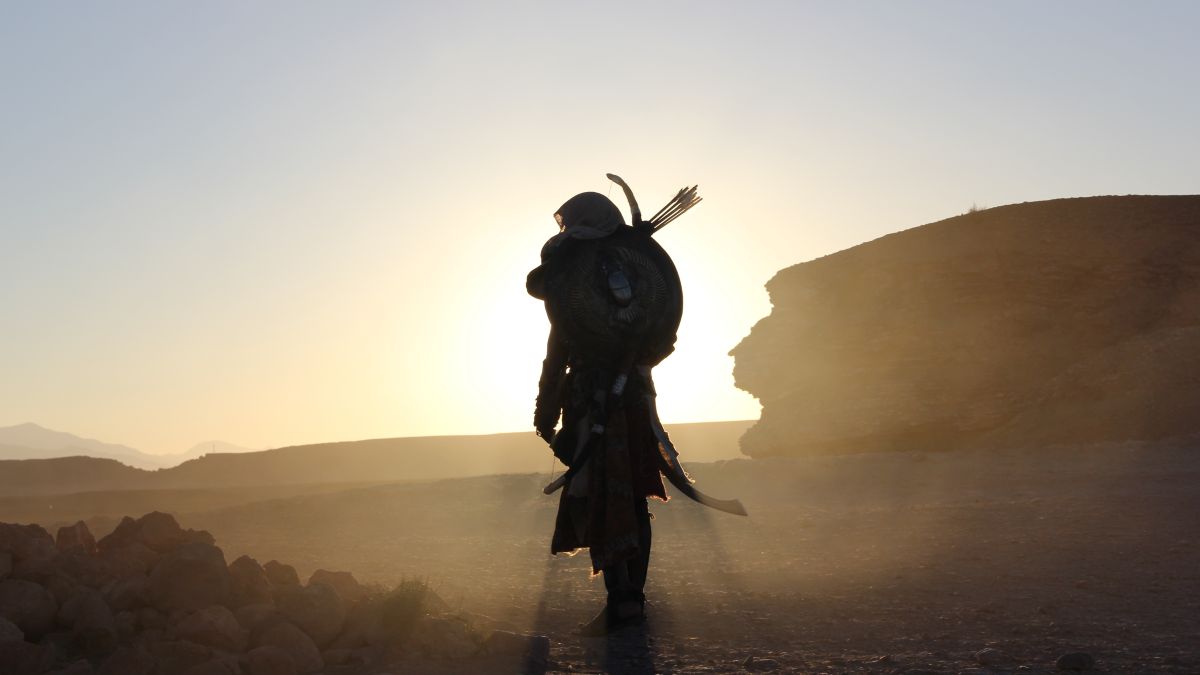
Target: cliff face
1072, 320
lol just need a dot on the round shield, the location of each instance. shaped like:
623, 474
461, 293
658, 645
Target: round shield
615, 295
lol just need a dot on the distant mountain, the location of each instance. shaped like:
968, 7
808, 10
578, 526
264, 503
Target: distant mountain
31, 441
379, 460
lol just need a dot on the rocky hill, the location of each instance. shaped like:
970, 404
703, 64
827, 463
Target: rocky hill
377, 460
1071, 320
152, 598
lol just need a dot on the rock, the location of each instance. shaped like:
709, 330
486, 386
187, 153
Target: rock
280, 574
250, 584
76, 536
294, 642
10, 631
1077, 320
363, 626
214, 627
123, 534
348, 658
80, 667
6, 564
250, 617
91, 621
269, 660
127, 625
19, 657
342, 582
148, 617
756, 665
318, 610
157, 531
128, 560
60, 586
128, 593
82, 567
1075, 661
128, 661
219, 666
532, 652
192, 576
28, 545
442, 638
990, 657
177, 656
29, 606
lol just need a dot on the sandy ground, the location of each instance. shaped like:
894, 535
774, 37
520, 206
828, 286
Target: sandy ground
866, 563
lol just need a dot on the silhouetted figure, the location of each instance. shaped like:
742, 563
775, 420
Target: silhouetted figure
614, 302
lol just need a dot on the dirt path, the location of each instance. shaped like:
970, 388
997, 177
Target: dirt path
880, 564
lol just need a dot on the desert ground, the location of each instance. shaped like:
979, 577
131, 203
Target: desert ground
880, 563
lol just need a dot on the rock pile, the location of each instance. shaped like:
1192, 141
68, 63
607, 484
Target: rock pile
1061, 322
152, 598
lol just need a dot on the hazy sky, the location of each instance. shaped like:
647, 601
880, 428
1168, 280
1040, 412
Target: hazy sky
287, 222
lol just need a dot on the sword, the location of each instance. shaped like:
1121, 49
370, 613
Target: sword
671, 468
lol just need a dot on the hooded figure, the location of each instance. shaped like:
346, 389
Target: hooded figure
611, 321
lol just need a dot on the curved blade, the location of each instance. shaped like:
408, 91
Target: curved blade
668, 458
727, 505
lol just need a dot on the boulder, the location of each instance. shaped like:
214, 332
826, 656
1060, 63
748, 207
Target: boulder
10, 630
128, 661
990, 657
29, 606
294, 642
214, 627
127, 560
363, 626
280, 574
131, 592
82, 567
192, 576
77, 667
222, 665
92, 625
60, 585
318, 610
250, 584
269, 660
1075, 661
148, 618
20, 657
177, 656
442, 638
1069, 321
127, 625
123, 534
157, 531
76, 536
29, 545
350, 659
342, 582
250, 617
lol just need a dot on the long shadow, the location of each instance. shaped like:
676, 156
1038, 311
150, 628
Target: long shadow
631, 651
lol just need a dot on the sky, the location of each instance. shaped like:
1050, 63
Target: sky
276, 223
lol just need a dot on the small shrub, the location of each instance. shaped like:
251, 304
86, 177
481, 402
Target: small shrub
403, 605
